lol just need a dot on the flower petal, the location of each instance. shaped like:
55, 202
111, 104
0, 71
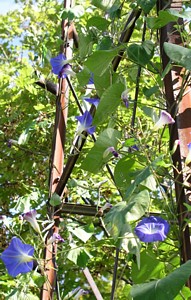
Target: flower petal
57, 63
85, 123
152, 229
165, 118
18, 257
30, 217
94, 101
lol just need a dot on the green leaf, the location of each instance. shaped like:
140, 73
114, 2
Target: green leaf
123, 213
149, 47
24, 137
71, 13
85, 45
105, 44
129, 173
149, 92
180, 14
83, 76
39, 106
98, 22
150, 183
100, 61
94, 159
146, 5
103, 4
38, 279
141, 54
79, 256
143, 175
109, 102
166, 288
137, 206
163, 18
55, 200
130, 243
24, 202
118, 218
179, 55
102, 83
151, 268
84, 233
116, 222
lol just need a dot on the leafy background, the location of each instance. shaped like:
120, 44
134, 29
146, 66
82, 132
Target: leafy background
142, 181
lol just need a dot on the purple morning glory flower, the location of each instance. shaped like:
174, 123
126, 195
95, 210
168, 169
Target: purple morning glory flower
165, 118
110, 150
152, 229
18, 257
30, 217
9, 143
94, 101
55, 237
80, 293
125, 97
107, 205
85, 123
188, 157
60, 66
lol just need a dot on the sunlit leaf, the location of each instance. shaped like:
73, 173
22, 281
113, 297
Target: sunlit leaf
100, 61
99, 22
79, 256
109, 102
146, 5
94, 159
163, 18
55, 200
151, 268
179, 55
84, 233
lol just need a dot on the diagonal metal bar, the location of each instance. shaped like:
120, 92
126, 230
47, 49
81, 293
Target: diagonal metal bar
126, 35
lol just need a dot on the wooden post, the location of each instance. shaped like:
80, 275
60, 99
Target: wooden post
179, 105
57, 159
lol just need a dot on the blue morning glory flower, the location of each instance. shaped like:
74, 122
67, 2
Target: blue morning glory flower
152, 229
91, 80
85, 123
94, 101
60, 66
18, 257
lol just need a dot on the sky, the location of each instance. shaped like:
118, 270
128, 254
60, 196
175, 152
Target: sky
6, 5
